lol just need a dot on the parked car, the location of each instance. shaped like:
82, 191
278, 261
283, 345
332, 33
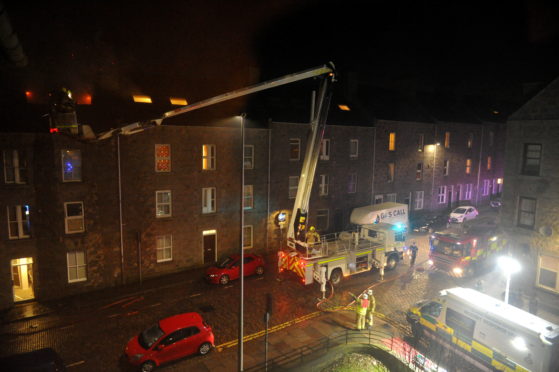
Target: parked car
42, 360
463, 214
229, 268
428, 223
170, 339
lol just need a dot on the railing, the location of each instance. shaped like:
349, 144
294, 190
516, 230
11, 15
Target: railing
382, 343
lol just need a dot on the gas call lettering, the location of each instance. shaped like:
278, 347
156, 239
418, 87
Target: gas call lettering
394, 213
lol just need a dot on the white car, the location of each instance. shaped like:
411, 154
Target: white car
463, 214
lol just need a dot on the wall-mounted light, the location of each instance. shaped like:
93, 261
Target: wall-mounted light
141, 99
344, 107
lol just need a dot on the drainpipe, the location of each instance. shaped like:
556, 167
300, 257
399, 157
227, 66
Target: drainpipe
479, 166
374, 156
120, 210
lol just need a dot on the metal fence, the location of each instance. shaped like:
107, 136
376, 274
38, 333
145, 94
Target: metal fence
381, 343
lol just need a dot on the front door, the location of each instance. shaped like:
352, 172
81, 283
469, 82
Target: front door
22, 279
210, 239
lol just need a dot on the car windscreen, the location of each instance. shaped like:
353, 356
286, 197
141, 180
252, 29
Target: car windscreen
150, 336
225, 262
460, 210
448, 249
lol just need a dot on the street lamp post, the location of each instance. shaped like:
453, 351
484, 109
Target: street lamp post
242, 259
510, 266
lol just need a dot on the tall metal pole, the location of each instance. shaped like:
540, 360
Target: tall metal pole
507, 288
242, 266
120, 210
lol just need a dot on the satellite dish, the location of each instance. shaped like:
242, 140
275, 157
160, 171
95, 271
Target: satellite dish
546, 231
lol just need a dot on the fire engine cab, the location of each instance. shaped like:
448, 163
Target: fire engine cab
462, 254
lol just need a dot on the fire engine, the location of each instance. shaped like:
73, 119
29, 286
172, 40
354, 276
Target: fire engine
462, 254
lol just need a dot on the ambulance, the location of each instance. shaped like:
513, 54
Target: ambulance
489, 333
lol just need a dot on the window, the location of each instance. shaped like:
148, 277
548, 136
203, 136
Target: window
446, 140
208, 200
468, 166
486, 185
71, 165
249, 157
15, 167
391, 198
325, 149
495, 187
19, 226
392, 141
446, 165
463, 326
470, 142
247, 236
441, 195
76, 266
379, 198
293, 185
294, 149
420, 141
248, 199
164, 248
489, 163
491, 138
548, 272
162, 158
526, 212
353, 148
323, 187
322, 219
208, 157
419, 171
163, 203
390, 172
418, 200
352, 183
468, 192
74, 217
531, 159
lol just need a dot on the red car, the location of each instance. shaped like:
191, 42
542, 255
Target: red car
229, 269
171, 338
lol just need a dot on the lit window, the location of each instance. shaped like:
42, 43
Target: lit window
391, 172
322, 219
470, 142
352, 184
323, 187
489, 163
76, 266
163, 203
208, 157
468, 166
71, 165
74, 217
163, 158
164, 248
418, 200
419, 171
325, 149
392, 141
15, 167
19, 225
531, 159
526, 212
294, 148
293, 186
248, 202
249, 157
441, 195
549, 272
247, 236
353, 148
178, 101
447, 140
141, 99
208, 200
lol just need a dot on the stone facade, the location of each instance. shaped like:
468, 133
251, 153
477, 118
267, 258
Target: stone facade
531, 196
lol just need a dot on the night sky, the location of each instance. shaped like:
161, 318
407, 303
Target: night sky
198, 49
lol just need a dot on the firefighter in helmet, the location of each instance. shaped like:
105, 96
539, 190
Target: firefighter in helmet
313, 238
370, 308
362, 304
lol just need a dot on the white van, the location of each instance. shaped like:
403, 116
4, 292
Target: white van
488, 331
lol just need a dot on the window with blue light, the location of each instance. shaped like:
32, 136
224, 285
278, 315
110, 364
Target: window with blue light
71, 165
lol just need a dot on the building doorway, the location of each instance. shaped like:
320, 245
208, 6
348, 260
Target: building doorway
22, 279
210, 240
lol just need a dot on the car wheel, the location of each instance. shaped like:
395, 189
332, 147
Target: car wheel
147, 366
260, 270
336, 276
204, 348
224, 279
391, 262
